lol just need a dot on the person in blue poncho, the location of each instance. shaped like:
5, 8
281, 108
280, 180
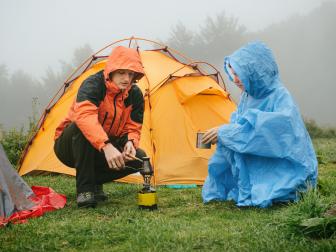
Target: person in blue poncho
264, 155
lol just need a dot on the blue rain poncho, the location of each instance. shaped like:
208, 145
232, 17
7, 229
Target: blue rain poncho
264, 155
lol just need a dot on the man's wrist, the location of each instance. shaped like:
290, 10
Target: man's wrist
131, 140
107, 143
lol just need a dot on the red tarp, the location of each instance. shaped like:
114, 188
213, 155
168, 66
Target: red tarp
45, 199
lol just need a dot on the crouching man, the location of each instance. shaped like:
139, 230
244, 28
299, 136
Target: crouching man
100, 135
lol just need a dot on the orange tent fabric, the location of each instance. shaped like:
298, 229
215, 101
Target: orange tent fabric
180, 100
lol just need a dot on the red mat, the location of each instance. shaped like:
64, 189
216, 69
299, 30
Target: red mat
45, 199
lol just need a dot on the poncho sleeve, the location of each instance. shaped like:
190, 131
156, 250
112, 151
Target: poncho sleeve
268, 134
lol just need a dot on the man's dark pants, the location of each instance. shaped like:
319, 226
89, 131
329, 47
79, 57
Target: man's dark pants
74, 150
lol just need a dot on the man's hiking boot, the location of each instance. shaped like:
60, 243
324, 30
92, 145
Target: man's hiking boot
86, 199
100, 195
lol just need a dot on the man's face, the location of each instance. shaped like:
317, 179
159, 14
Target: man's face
122, 78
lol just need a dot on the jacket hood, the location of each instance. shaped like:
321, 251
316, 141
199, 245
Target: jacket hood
124, 58
256, 67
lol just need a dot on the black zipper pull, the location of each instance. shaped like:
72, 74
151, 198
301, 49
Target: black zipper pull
106, 113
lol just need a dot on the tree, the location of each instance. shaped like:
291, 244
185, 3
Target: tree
304, 49
20, 89
81, 54
218, 36
53, 80
181, 39
3, 75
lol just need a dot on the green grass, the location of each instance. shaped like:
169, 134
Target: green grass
182, 222
325, 150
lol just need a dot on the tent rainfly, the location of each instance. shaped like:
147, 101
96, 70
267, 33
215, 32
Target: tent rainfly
180, 100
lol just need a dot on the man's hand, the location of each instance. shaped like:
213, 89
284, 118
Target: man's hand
113, 157
129, 151
210, 136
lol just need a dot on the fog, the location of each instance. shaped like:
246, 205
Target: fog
40, 38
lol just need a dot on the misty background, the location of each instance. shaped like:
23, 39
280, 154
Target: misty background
43, 41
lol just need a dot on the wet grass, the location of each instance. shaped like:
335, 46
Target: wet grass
182, 222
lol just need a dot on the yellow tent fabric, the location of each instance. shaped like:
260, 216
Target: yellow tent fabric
179, 102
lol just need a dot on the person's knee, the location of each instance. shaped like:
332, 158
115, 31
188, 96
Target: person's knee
74, 130
69, 144
63, 154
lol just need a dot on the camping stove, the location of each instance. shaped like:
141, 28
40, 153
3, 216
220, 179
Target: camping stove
147, 198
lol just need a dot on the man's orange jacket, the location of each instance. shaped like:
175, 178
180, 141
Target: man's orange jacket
102, 110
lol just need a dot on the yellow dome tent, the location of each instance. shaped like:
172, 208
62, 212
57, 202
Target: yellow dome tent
180, 100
